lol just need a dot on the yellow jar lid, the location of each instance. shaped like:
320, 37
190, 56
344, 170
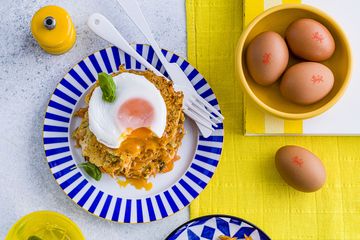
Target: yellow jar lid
60, 33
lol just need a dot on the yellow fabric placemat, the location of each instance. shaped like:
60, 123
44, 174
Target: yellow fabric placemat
246, 183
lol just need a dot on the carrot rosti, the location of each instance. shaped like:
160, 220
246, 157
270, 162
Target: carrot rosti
153, 155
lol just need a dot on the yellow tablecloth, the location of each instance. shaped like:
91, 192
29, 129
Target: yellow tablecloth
246, 183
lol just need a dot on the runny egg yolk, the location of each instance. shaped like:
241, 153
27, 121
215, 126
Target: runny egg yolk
140, 139
136, 113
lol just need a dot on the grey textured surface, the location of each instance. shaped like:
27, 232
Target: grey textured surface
29, 76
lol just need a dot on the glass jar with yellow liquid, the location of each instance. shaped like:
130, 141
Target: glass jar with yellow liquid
44, 225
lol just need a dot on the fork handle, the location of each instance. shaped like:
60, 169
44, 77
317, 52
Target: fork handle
133, 10
100, 25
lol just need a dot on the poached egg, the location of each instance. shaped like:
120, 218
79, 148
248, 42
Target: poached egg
138, 104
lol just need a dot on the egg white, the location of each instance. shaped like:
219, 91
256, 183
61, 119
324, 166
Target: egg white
103, 121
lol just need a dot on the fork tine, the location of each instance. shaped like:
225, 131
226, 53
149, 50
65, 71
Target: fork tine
210, 107
198, 120
204, 116
205, 111
216, 119
195, 117
201, 111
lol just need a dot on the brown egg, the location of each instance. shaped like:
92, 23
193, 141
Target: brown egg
267, 57
300, 168
310, 40
307, 82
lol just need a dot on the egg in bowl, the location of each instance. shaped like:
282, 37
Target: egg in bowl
139, 133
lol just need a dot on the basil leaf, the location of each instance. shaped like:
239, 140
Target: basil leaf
33, 238
91, 169
107, 86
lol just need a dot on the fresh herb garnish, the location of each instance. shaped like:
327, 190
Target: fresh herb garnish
33, 238
107, 86
91, 169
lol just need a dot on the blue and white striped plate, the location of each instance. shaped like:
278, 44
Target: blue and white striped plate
212, 226
171, 191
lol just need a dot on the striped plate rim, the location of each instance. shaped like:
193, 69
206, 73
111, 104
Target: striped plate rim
61, 162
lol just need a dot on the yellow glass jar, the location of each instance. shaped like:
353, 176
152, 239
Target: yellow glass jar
45, 225
53, 29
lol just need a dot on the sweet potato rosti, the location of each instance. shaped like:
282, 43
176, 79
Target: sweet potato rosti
152, 155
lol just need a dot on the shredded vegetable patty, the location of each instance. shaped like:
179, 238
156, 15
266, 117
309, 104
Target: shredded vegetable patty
152, 159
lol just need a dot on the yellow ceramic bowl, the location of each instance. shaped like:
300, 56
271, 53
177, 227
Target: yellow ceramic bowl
269, 98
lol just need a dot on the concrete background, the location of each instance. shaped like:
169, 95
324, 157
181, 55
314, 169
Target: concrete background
29, 76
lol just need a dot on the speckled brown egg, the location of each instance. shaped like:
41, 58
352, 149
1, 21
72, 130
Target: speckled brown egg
310, 40
300, 168
306, 83
267, 57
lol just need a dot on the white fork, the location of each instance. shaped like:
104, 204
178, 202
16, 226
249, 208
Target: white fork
104, 29
133, 10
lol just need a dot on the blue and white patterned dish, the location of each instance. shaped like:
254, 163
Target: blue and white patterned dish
213, 226
171, 192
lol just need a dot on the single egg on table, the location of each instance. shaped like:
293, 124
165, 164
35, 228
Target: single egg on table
306, 83
138, 105
267, 57
310, 40
300, 168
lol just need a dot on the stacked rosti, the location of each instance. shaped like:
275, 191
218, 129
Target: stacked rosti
155, 156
